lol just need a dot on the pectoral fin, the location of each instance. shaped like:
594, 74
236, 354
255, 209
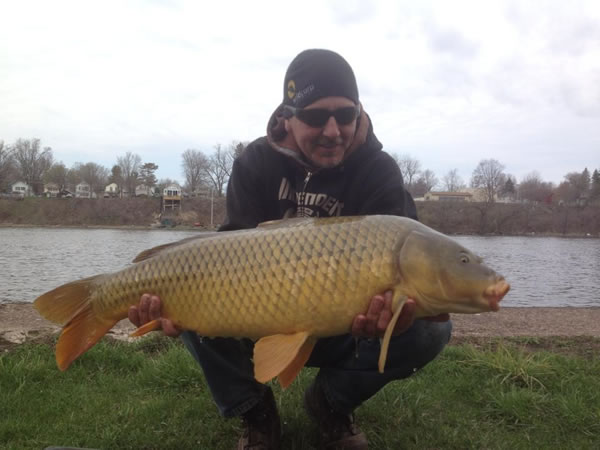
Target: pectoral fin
146, 328
282, 355
399, 301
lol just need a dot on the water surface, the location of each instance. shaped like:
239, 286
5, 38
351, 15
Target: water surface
543, 271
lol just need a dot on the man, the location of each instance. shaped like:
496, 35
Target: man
320, 158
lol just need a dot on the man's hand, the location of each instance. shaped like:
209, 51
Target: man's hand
379, 314
149, 309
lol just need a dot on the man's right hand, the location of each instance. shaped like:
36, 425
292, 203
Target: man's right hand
149, 309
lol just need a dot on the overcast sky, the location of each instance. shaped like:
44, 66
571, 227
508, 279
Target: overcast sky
448, 83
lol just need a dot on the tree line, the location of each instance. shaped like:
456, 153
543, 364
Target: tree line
492, 180
27, 160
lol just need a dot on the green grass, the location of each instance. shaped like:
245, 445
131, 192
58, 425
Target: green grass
152, 395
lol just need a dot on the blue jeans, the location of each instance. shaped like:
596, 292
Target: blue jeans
348, 367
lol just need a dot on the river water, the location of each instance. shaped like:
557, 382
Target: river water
543, 271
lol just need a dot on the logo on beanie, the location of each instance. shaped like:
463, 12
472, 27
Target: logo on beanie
291, 89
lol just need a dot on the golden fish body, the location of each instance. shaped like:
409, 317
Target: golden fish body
299, 279
260, 282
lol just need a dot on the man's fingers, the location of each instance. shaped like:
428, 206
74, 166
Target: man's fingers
154, 308
384, 320
169, 329
358, 325
134, 316
144, 309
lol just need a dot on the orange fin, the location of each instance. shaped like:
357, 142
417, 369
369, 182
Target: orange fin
281, 355
293, 369
399, 301
80, 334
64, 302
69, 305
147, 328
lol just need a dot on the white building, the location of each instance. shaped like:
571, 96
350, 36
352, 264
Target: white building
82, 190
172, 191
22, 189
448, 196
142, 190
51, 190
112, 190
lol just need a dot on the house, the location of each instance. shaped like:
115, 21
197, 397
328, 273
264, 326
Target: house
51, 190
142, 190
112, 190
448, 196
171, 197
172, 190
21, 189
82, 190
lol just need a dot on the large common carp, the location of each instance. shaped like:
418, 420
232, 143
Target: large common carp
285, 283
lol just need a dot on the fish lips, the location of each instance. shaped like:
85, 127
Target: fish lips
495, 292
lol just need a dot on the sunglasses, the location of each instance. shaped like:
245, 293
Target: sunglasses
318, 117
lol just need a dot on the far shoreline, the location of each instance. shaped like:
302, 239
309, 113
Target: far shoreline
205, 228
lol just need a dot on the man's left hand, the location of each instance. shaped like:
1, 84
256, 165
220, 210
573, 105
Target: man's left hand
379, 313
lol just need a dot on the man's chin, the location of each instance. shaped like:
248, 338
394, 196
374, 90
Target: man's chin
327, 160
327, 163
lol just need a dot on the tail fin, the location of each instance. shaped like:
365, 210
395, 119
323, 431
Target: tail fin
69, 305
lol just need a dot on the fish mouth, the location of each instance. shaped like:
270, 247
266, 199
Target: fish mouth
495, 292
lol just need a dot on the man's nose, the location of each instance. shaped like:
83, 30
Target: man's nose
331, 128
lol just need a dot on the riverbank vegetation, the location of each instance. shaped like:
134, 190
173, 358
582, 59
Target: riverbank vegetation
151, 394
448, 217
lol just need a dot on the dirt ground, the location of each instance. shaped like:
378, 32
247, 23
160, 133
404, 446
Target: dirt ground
19, 322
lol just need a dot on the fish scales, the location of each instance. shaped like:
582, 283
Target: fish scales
245, 285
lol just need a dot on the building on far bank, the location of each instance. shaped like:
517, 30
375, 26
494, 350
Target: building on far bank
171, 198
51, 190
111, 190
21, 189
83, 190
448, 196
141, 190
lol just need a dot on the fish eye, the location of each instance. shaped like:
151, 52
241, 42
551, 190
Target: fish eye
464, 258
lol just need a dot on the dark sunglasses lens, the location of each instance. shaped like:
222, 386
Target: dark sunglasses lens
345, 116
318, 117
313, 117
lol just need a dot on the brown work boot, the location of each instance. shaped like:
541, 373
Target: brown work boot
262, 428
337, 431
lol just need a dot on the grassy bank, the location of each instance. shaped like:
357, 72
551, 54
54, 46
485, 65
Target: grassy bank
152, 395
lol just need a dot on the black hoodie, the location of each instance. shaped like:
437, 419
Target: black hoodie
270, 181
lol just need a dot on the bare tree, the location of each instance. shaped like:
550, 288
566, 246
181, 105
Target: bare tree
130, 168
532, 188
194, 165
428, 179
452, 181
57, 174
93, 174
7, 166
219, 167
410, 168
32, 162
489, 176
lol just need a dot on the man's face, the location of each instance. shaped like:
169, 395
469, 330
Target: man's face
324, 146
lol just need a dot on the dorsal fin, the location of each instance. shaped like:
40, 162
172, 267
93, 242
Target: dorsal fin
284, 223
149, 253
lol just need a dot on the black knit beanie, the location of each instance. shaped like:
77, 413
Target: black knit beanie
315, 74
